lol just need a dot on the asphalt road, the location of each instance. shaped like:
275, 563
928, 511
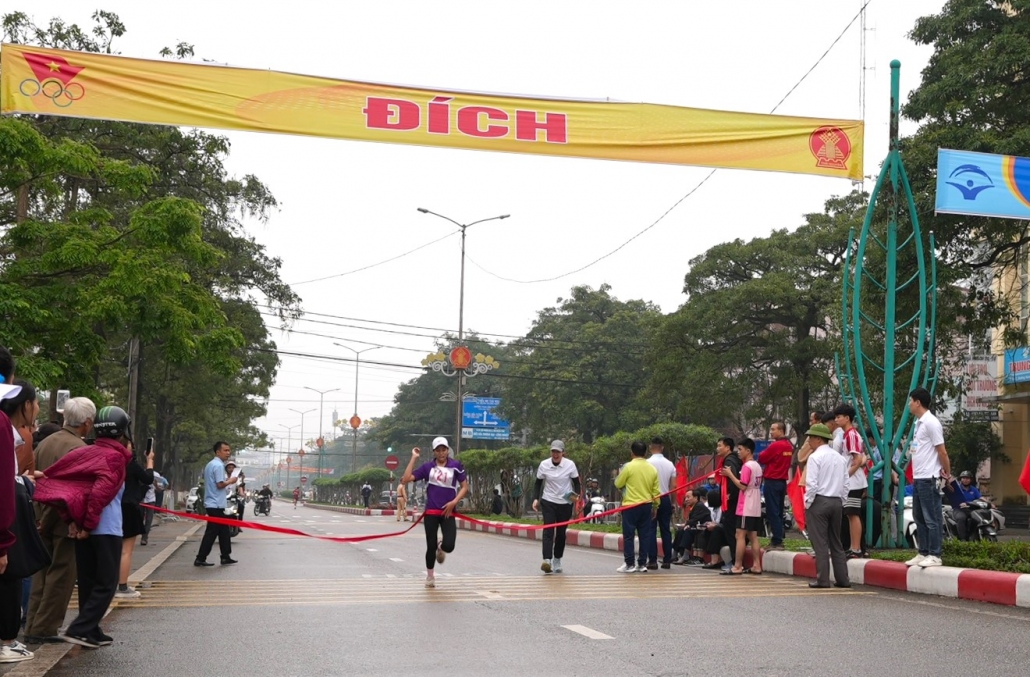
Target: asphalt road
296, 606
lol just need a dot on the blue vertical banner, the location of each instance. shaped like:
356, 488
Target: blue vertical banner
983, 184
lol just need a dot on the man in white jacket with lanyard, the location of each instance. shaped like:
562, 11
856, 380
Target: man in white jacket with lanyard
558, 477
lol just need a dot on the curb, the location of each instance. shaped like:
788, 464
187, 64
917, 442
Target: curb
360, 512
978, 585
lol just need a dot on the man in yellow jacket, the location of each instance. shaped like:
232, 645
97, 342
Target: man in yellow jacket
638, 482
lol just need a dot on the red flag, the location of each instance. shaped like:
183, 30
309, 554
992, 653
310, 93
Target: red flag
1024, 477
681, 480
796, 492
51, 67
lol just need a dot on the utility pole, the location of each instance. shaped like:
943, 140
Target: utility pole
321, 396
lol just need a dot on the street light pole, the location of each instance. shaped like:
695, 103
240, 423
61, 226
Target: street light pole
289, 445
321, 417
300, 467
357, 365
461, 312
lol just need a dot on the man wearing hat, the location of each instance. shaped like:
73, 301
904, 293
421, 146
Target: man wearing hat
559, 479
826, 489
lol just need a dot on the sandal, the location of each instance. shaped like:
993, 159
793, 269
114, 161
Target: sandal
753, 572
732, 572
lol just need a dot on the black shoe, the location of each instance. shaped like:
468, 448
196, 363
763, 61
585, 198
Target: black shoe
652, 565
815, 584
51, 639
666, 565
228, 560
712, 566
842, 585
143, 541
101, 639
202, 563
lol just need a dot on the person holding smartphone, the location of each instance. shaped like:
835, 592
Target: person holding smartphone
138, 481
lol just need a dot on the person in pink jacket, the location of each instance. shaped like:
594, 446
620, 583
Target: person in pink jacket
86, 487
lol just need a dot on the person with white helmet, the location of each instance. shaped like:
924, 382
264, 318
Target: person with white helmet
446, 484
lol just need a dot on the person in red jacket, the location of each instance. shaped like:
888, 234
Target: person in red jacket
776, 459
11, 650
86, 487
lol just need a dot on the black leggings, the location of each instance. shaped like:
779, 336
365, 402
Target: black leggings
10, 608
449, 527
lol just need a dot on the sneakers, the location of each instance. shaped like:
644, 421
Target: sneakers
695, 562
930, 561
642, 568
430, 580
556, 565
143, 541
202, 563
102, 639
915, 561
15, 653
628, 569
87, 642
440, 555
127, 593
650, 565
546, 566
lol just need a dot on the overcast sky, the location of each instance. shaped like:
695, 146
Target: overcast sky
344, 205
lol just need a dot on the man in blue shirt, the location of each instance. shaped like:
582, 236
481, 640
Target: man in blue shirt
961, 493
215, 483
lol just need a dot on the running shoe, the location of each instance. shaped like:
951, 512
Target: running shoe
127, 593
87, 642
546, 566
556, 565
430, 580
440, 555
627, 569
15, 653
915, 561
931, 561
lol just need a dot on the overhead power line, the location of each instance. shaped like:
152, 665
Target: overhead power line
374, 265
690, 192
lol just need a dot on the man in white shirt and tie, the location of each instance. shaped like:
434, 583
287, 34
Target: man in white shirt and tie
825, 491
662, 521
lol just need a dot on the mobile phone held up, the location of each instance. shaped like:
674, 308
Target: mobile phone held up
150, 445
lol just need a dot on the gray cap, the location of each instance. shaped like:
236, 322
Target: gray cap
558, 445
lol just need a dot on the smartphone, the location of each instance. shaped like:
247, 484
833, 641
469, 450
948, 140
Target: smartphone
150, 445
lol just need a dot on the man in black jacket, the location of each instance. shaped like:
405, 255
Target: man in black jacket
691, 534
730, 462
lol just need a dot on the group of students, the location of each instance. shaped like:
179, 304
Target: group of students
70, 514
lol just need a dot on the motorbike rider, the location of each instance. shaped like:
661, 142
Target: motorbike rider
265, 493
592, 489
237, 490
961, 493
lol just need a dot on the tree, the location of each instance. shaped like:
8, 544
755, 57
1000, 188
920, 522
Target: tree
973, 96
578, 372
193, 310
755, 339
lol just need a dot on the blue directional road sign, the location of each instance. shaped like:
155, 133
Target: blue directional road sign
478, 420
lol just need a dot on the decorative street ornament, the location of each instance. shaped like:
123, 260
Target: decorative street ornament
460, 361
355, 422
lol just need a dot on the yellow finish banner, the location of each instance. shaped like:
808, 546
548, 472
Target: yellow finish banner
100, 86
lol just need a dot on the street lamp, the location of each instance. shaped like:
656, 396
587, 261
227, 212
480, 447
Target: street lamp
321, 442
355, 419
461, 309
300, 464
289, 445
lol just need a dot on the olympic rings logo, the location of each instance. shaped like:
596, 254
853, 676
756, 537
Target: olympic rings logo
62, 95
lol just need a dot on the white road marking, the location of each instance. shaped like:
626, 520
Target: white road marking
490, 594
587, 632
396, 559
448, 575
366, 575
371, 549
360, 521
391, 575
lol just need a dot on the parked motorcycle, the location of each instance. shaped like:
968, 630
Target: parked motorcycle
596, 508
980, 526
233, 510
788, 517
262, 505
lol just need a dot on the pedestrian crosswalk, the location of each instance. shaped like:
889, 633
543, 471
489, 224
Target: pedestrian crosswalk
408, 589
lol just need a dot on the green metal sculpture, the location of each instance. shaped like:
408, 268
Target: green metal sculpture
890, 265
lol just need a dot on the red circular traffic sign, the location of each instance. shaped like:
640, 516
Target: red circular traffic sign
392, 462
304, 480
